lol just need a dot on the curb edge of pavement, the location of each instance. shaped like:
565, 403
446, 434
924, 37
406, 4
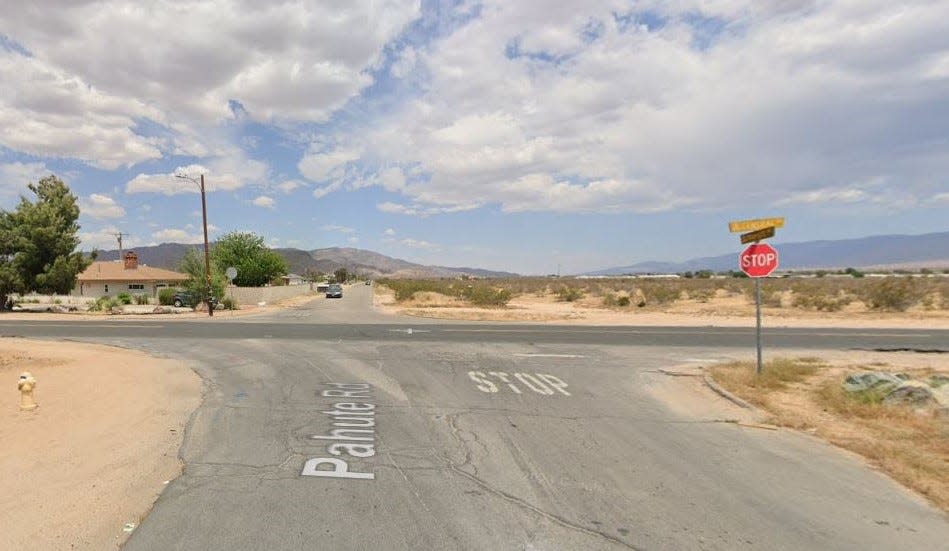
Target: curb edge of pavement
724, 393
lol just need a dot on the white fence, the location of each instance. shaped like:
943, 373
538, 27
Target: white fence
248, 296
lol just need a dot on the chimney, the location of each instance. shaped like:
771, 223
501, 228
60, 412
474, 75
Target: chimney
131, 260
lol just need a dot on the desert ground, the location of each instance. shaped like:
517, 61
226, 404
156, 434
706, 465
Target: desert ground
81, 470
723, 303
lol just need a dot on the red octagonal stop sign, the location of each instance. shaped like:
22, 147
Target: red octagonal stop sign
758, 260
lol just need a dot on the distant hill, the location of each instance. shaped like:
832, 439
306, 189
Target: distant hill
363, 262
882, 251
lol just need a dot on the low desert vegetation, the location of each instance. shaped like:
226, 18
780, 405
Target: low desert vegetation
911, 445
854, 293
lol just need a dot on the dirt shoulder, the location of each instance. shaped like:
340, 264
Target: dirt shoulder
805, 393
96, 453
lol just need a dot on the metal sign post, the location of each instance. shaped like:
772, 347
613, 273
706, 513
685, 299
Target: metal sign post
757, 261
758, 323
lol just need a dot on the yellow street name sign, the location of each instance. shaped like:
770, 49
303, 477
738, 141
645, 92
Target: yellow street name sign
740, 226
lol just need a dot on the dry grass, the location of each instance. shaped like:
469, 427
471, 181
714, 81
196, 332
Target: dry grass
740, 377
806, 394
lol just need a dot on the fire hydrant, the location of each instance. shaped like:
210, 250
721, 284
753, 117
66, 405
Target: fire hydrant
26, 385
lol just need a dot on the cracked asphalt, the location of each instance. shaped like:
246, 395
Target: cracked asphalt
518, 440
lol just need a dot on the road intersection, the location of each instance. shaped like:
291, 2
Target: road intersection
489, 436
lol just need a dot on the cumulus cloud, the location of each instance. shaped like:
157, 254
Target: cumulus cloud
667, 105
16, 175
104, 239
319, 166
79, 91
264, 201
389, 232
101, 206
221, 174
48, 111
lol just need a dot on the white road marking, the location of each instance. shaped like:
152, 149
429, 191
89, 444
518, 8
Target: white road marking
109, 325
409, 331
541, 383
530, 355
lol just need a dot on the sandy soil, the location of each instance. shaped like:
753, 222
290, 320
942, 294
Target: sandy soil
728, 311
96, 454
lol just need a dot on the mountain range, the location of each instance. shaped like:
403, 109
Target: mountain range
884, 251
363, 262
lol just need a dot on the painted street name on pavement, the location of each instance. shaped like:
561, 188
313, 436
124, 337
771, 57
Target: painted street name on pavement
354, 437
540, 383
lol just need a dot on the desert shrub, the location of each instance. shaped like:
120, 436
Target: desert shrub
124, 298
892, 294
166, 297
141, 299
105, 303
623, 301
228, 303
771, 299
662, 294
486, 296
821, 303
569, 294
609, 300
703, 294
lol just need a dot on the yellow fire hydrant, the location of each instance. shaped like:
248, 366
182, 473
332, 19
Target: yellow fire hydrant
26, 385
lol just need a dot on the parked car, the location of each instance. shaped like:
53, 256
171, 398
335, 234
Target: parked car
368, 282
335, 290
184, 298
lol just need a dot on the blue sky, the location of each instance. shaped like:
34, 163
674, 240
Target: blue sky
515, 136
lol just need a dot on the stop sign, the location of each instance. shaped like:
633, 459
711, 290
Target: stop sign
758, 260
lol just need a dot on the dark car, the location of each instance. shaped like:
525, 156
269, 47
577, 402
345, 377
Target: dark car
184, 298
368, 282
335, 290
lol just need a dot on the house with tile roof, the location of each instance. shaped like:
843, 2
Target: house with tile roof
110, 278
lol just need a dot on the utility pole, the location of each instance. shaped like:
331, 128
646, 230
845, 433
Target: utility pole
119, 235
207, 253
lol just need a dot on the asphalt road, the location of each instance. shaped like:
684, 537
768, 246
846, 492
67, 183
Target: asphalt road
485, 436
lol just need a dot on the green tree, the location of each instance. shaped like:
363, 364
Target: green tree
256, 264
9, 278
341, 275
193, 265
39, 240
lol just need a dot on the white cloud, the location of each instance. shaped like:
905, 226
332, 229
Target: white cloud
82, 90
177, 235
101, 206
418, 244
221, 174
337, 228
321, 166
15, 176
353, 240
104, 239
588, 110
419, 210
264, 201
389, 232
289, 186
47, 111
